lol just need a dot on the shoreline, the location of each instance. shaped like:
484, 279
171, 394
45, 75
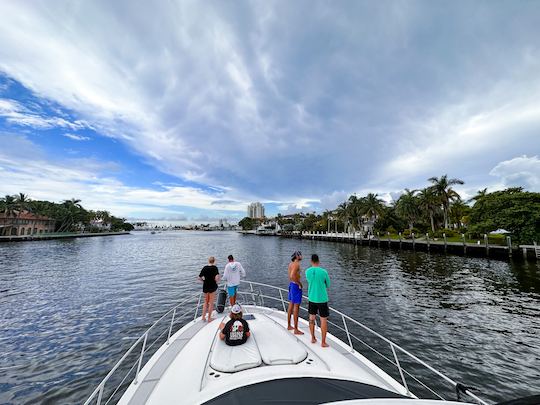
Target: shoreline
526, 252
26, 238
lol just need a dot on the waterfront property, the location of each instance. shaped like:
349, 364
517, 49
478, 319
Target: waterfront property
25, 223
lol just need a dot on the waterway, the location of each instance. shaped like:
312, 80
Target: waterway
67, 306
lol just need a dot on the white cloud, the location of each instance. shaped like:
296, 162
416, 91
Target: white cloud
76, 137
521, 171
15, 113
90, 180
285, 102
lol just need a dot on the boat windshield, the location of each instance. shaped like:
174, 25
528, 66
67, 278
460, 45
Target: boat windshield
305, 391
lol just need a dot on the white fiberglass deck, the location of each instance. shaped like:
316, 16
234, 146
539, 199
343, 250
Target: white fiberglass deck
183, 369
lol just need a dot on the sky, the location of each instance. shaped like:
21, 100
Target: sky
188, 111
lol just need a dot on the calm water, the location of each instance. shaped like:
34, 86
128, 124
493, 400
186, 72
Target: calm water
65, 306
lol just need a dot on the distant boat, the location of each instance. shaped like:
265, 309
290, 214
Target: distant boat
153, 232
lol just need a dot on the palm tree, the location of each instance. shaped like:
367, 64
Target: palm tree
9, 208
443, 190
407, 207
428, 203
342, 214
373, 205
355, 207
71, 209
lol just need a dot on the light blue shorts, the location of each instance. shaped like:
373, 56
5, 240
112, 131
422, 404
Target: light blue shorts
231, 290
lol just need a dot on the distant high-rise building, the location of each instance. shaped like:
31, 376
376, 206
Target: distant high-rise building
255, 210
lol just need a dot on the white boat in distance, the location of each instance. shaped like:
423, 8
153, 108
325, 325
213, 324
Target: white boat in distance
181, 360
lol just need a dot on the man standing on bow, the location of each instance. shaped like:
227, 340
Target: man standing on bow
318, 283
295, 292
232, 274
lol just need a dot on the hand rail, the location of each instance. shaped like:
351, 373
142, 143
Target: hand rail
376, 334
98, 391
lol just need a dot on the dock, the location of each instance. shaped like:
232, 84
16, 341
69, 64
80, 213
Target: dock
50, 236
427, 245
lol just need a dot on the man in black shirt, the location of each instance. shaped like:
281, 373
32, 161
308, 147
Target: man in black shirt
236, 331
209, 276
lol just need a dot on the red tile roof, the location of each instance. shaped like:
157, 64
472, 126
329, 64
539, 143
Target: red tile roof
26, 215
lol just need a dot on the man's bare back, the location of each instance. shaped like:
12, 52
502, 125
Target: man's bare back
294, 273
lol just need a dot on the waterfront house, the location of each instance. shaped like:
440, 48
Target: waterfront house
100, 224
24, 224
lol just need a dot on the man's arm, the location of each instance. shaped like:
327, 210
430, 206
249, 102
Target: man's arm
327, 280
295, 276
221, 334
225, 273
242, 271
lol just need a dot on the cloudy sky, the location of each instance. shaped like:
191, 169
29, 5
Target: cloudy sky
190, 110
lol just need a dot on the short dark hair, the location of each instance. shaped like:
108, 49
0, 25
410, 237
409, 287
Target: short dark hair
230, 257
315, 258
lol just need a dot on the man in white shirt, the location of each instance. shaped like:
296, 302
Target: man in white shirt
232, 274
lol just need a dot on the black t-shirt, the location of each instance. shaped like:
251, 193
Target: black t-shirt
209, 273
235, 332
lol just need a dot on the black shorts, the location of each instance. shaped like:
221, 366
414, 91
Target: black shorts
320, 307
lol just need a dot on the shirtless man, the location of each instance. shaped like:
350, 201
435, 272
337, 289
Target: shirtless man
295, 292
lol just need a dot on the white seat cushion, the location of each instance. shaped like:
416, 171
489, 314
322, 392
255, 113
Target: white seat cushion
277, 346
229, 359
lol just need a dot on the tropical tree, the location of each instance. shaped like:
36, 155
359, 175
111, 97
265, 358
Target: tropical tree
459, 212
407, 207
342, 213
8, 205
22, 202
373, 206
429, 204
512, 209
442, 188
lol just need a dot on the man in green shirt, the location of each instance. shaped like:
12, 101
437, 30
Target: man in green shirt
318, 283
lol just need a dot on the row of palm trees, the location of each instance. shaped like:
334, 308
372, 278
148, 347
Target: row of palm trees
69, 214
438, 200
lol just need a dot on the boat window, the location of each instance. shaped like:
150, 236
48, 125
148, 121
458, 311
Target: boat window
305, 391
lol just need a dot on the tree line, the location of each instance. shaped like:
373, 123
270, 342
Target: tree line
435, 209
70, 215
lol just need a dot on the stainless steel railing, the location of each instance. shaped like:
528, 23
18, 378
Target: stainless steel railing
346, 320
190, 307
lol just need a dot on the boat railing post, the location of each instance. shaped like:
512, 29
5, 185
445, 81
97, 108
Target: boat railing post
100, 394
197, 308
399, 368
252, 293
140, 358
282, 300
348, 334
170, 327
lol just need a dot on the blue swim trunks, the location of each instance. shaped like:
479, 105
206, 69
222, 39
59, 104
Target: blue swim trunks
231, 290
295, 293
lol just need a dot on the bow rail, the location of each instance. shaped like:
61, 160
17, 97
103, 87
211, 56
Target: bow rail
170, 322
458, 388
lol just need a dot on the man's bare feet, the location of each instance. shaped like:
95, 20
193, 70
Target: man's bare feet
210, 319
298, 332
289, 327
324, 344
203, 319
313, 340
